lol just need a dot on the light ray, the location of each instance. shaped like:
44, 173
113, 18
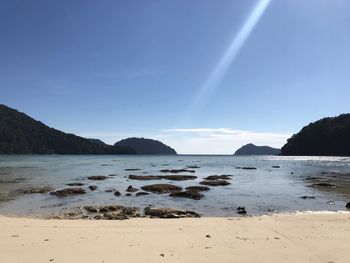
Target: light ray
219, 72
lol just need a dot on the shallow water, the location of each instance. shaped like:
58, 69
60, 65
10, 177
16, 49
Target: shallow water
261, 191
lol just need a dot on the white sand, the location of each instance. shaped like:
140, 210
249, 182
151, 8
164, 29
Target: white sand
321, 237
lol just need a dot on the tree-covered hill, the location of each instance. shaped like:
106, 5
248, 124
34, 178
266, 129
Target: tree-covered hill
325, 137
146, 146
251, 149
21, 134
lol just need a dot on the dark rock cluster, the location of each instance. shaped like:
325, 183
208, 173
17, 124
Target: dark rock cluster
177, 171
118, 212
36, 190
188, 194
97, 177
159, 177
161, 188
68, 192
169, 213
215, 182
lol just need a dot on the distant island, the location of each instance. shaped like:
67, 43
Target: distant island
325, 137
146, 146
21, 134
251, 149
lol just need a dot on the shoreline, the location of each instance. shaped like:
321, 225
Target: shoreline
233, 216
319, 236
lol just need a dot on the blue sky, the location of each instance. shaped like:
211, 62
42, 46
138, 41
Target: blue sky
113, 69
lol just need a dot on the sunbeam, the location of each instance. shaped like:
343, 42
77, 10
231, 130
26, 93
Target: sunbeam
219, 72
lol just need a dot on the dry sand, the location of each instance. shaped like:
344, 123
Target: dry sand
321, 237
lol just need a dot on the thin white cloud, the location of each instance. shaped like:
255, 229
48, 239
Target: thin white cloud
218, 140
200, 140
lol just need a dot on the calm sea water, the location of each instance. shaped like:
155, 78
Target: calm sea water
261, 191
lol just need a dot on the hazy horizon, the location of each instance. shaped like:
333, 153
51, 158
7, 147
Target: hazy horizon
201, 76
202, 141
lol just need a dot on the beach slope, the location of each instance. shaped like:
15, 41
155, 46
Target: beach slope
316, 237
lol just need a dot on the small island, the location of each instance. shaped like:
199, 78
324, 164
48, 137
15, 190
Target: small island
251, 149
145, 146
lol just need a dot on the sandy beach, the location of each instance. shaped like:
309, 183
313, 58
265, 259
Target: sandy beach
305, 237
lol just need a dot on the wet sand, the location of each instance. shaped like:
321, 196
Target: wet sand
305, 237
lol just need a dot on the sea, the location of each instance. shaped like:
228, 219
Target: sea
277, 185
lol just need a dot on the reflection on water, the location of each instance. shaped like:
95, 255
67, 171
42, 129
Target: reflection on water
263, 190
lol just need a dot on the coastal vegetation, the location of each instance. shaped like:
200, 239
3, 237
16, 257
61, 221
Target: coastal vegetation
145, 146
21, 134
251, 149
325, 137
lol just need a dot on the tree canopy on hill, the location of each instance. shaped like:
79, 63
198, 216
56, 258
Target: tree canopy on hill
325, 137
146, 146
251, 149
21, 134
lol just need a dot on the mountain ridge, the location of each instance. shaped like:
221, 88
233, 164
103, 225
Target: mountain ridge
22, 134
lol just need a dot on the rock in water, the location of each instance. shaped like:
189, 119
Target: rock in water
198, 188
131, 189
192, 166
214, 182
177, 171
36, 190
187, 194
241, 210
178, 177
169, 213
307, 197
97, 177
323, 184
141, 193
217, 177
161, 188
106, 212
93, 187
68, 192
159, 177
145, 177
91, 209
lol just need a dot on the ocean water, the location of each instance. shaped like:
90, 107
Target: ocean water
261, 191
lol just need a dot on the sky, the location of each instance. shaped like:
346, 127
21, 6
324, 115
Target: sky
202, 76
